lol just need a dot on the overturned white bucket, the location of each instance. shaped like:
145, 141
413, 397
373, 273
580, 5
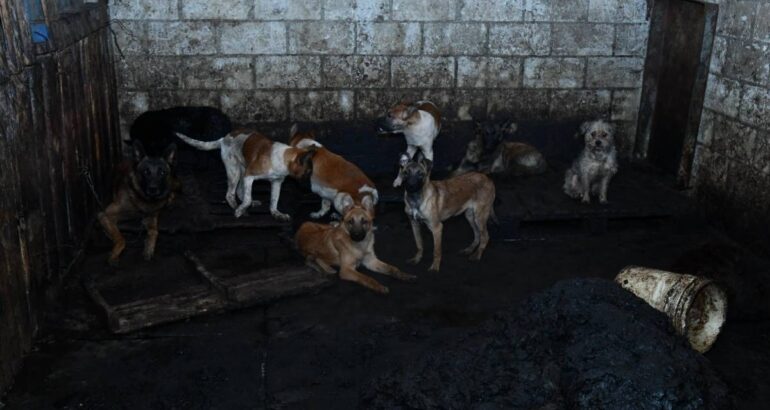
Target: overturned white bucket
696, 306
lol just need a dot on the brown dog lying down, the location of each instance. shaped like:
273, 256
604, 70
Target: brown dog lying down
433, 202
347, 245
488, 153
141, 187
334, 177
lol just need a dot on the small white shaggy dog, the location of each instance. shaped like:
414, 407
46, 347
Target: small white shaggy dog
595, 166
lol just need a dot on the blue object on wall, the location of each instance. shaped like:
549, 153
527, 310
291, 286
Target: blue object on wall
39, 32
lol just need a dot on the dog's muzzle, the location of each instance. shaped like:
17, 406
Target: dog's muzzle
384, 126
413, 184
358, 235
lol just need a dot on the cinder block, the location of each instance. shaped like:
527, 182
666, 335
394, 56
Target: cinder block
522, 105
718, 54
520, 39
499, 10
762, 24
631, 39
582, 104
723, 95
144, 10
357, 10
422, 72
625, 105
288, 72
131, 104
287, 9
617, 11
454, 38
149, 73
255, 106
556, 10
755, 106
733, 139
614, 72
706, 128
582, 39
553, 72
322, 37
322, 105
167, 99
253, 38
424, 10
181, 38
491, 72
356, 71
216, 10
736, 18
231, 73
131, 36
749, 61
388, 38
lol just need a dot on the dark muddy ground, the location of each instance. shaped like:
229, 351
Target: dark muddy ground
326, 350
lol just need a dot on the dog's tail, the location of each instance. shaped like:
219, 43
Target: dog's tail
201, 145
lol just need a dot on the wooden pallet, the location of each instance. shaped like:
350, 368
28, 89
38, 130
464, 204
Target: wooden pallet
182, 286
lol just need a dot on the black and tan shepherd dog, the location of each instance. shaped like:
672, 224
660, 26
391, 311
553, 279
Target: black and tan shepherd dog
142, 187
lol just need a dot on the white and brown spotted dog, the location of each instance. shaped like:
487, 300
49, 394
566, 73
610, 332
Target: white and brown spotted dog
433, 202
249, 156
347, 245
420, 122
593, 169
490, 154
334, 178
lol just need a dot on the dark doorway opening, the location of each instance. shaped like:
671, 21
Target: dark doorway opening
678, 55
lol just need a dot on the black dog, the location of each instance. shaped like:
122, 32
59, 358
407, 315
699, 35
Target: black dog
142, 187
156, 129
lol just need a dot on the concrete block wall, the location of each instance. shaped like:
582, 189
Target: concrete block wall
322, 60
732, 163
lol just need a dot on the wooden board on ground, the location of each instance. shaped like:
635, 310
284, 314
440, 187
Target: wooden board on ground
177, 287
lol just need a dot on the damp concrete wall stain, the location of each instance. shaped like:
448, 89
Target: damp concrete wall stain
321, 60
732, 160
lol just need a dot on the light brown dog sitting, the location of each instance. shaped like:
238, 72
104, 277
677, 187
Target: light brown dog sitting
433, 202
347, 245
334, 177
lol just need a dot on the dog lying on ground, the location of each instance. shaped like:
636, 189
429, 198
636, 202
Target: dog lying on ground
347, 245
155, 129
433, 202
142, 187
249, 156
489, 154
334, 177
420, 122
593, 169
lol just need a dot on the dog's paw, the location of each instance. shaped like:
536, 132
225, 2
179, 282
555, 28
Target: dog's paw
383, 290
475, 257
434, 267
255, 203
467, 251
415, 259
397, 183
316, 215
113, 262
406, 277
586, 200
148, 255
239, 212
281, 216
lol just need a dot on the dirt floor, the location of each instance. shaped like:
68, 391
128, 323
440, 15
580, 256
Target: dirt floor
321, 350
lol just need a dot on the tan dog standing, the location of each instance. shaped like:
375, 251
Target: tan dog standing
433, 202
420, 122
347, 245
249, 156
334, 177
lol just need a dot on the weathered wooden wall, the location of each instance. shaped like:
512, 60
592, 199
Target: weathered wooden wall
58, 130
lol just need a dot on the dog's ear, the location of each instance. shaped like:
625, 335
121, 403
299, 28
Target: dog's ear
306, 158
169, 154
611, 129
368, 203
293, 130
410, 110
510, 127
138, 150
343, 202
428, 164
403, 160
584, 127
